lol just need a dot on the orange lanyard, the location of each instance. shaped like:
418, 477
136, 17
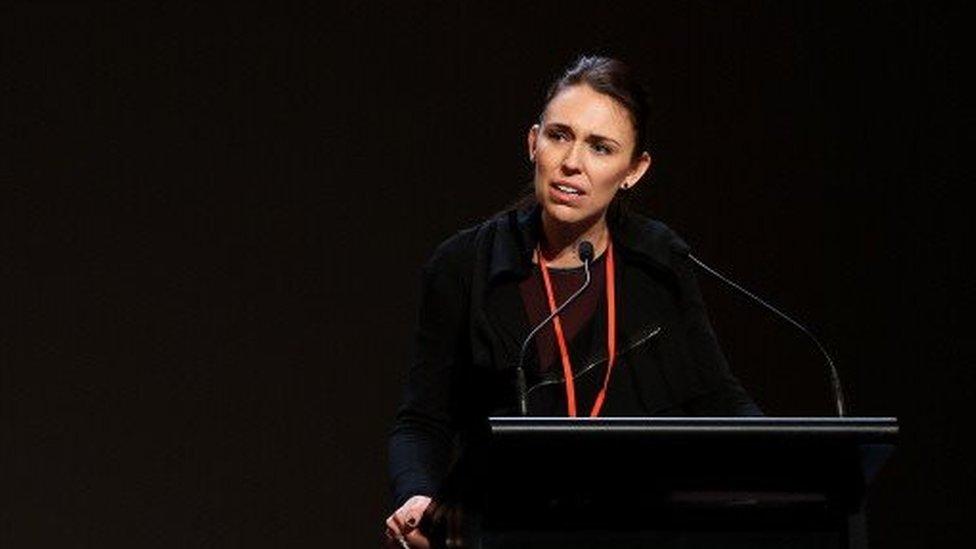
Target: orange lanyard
561, 340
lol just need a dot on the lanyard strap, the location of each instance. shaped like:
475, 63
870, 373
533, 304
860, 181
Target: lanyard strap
561, 339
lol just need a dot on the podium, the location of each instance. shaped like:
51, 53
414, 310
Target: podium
673, 482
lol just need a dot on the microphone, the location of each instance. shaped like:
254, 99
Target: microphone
681, 248
585, 252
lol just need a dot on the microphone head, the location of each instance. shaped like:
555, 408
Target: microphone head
585, 251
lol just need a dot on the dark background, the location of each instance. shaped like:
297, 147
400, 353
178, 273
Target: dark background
212, 221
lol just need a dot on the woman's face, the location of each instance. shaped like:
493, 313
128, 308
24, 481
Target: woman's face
583, 154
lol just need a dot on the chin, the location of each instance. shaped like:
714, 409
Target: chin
566, 214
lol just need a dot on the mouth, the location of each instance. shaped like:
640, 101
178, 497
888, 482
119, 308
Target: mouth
565, 192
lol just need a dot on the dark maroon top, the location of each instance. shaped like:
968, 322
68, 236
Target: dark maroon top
564, 283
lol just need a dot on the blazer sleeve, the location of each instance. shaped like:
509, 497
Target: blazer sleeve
422, 438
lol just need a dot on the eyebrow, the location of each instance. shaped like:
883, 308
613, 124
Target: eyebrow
593, 137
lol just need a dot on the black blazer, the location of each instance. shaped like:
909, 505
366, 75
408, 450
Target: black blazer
472, 323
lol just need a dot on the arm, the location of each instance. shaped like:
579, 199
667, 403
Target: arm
421, 441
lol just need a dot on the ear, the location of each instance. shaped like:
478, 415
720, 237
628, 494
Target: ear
637, 171
531, 141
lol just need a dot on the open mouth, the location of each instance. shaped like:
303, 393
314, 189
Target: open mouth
566, 189
564, 192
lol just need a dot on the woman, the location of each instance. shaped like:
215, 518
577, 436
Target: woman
636, 342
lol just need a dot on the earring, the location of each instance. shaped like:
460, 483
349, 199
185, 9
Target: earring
624, 187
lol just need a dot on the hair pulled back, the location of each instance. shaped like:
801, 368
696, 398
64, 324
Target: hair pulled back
613, 78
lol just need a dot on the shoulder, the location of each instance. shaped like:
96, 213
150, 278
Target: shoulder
650, 240
460, 251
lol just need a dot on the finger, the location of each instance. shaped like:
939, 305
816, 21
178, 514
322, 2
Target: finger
407, 521
416, 540
393, 526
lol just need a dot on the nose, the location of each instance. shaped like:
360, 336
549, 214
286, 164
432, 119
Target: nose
571, 161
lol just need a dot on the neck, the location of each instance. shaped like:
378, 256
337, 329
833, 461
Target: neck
560, 241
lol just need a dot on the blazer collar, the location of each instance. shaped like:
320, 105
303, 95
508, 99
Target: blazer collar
641, 239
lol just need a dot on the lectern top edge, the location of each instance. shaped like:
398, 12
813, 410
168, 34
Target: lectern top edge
877, 429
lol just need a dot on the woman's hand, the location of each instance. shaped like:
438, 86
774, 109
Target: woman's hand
402, 524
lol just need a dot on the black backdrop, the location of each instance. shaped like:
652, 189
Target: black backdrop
213, 218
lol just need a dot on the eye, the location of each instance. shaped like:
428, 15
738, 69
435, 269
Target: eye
557, 135
602, 149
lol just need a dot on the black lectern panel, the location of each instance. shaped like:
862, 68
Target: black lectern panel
675, 482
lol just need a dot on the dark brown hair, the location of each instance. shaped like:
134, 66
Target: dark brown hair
614, 78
